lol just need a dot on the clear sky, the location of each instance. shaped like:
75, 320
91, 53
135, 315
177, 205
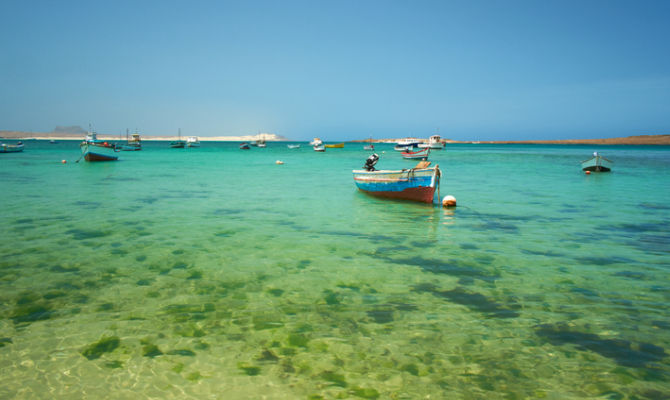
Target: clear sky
340, 69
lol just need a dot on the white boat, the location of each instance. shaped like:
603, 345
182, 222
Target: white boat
11, 148
320, 148
407, 144
293, 146
597, 163
192, 141
434, 142
316, 142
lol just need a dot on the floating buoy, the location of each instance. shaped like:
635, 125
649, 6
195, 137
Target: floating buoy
588, 172
279, 162
449, 201
63, 161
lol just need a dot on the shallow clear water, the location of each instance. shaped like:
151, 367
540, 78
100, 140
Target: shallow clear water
194, 273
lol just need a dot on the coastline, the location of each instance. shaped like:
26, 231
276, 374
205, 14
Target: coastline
660, 140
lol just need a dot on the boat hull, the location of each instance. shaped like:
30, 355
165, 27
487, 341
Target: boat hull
597, 164
335, 146
8, 148
412, 184
416, 155
98, 152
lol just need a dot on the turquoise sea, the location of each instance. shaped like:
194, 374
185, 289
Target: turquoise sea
216, 273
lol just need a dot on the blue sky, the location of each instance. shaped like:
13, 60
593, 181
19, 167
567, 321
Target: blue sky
340, 70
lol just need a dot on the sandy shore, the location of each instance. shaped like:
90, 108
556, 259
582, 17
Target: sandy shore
629, 140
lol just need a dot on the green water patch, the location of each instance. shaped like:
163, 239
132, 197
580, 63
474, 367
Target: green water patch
4, 341
636, 275
623, 352
89, 205
188, 312
102, 346
382, 314
151, 350
267, 356
249, 369
84, 234
454, 268
545, 253
364, 393
472, 300
181, 352
333, 378
469, 246
62, 269
604, 260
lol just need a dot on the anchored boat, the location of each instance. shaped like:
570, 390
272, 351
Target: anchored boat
415, 184
416, 155
11, 148
597, 163
93, 149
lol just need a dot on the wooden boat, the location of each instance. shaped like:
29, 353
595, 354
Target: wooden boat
335, 146
244, 146
416, 155
597, 163
320, 148
11, 148
132, 144
415, 184
178, 144
93, 149
192, 141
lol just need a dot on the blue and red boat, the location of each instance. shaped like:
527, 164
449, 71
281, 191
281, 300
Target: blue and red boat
93, 149
416, 155
415, 184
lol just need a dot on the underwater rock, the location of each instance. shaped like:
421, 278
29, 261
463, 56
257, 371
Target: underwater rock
473, 301
623, 352
104, 345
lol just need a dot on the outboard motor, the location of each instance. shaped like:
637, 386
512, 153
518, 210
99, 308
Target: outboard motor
370, 162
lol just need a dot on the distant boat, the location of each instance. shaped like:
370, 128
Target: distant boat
415, 184
335, 146
260, 142
244, 146
192, 141
132, 144
53, 141
316, 142
369, 146
93, 149
416, 155
320, 148
597, 163
293, 146
178, 144
407, 144
11, 148
434, 142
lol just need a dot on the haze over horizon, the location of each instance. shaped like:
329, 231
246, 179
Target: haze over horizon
346, 70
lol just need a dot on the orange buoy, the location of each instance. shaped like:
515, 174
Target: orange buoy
63, 161
449, 201
588, 172
279, 162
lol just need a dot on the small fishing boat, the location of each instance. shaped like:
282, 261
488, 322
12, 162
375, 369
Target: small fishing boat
407, 144
597, 163
335, 146
178, 144
132, 144
415, 184
416, 155
320, 148
244, 146
93, 149
369, 146
11, 148
192, 141
293, 146
53, 141
316, 142
434, 142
